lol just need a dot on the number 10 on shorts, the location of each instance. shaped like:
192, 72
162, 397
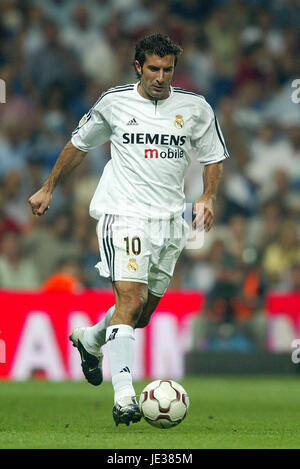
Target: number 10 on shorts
133, 247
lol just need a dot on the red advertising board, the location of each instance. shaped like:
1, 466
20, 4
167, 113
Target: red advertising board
279, 303
35, 327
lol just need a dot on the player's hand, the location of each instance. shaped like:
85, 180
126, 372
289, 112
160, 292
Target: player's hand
40, 202
203, 213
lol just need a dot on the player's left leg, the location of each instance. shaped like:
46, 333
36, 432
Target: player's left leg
90, 340
94, 336
91, 357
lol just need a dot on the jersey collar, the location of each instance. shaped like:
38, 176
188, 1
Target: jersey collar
145, 99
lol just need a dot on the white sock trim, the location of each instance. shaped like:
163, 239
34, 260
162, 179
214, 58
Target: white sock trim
119, 330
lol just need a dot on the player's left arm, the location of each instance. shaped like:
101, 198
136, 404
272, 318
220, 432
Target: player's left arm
203, 209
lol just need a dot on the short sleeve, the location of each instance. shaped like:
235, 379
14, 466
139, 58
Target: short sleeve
93, 129
207, 138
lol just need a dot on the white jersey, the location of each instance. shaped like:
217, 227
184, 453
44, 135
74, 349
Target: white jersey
151, 144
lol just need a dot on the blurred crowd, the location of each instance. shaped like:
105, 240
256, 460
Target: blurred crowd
58, 56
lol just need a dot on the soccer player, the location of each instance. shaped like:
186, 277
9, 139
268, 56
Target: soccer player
139, 201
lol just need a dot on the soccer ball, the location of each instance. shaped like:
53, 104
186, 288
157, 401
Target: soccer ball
164, 403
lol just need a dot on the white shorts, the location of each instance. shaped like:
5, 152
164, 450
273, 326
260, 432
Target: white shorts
140, 250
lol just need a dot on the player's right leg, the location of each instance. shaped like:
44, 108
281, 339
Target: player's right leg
131, 298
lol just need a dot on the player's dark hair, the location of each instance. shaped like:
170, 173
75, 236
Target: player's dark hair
157, 44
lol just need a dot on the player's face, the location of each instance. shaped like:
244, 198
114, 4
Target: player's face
156, 76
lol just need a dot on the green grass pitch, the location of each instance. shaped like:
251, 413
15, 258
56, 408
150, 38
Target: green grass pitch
225, 412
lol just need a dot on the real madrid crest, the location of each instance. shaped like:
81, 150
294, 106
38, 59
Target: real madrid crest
132, 265
179, 122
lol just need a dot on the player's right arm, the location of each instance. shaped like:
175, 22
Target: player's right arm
69, 158
93, 130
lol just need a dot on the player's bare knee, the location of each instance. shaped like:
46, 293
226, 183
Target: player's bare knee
129, 309
135, 308
135, 302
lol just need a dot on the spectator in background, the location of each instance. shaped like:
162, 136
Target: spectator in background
251, 65
19, 106
291, 279
232, 317
58, 11
264, 228
100, 12
280, 255
13, 149
277, 188
239, 191
264, 31
139, 17
287, 13
224, 44
79, 34
200, 63
11, 16
16, 271
92, 46
202, 269
239, 15
33, 35
64, 199
55, 115
191, 9
55, 64
248, 113
81, 103
236, 238
87, 182
7, 224
47, 244
15, 206
68, 277
267, 152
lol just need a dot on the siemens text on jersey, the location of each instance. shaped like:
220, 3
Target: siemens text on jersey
154, 139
